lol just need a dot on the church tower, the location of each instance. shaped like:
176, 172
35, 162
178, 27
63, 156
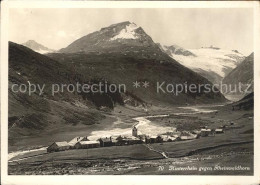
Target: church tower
134, 131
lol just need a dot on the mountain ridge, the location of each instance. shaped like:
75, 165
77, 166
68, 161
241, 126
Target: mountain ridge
121, 36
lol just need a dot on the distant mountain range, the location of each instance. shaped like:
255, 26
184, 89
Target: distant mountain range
39, 48
211, 62
124, 53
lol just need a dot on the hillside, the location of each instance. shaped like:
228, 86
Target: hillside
243, 73
246, 103
36, 115
210, 62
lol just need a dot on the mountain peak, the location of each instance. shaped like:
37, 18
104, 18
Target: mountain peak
124, 37
32, 44
129, 32
31, 41
121, 23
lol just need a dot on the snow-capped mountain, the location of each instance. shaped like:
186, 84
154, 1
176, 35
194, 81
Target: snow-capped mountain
123, 53
211, 62
39, 48
125, 37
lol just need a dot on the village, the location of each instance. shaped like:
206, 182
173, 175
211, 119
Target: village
82, 142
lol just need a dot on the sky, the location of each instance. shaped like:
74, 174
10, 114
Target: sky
191, 28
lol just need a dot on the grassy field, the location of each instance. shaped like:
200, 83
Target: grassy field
184, 148
204, 163
116, 152
234, 147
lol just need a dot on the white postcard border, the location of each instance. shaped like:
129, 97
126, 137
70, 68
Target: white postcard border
124, 179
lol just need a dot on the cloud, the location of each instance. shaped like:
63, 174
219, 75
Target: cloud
61, 33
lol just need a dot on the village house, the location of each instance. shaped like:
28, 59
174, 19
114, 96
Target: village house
150, 139
203, 127
167, 138
207, 132
219, 131
77, 139
114, 140
177, 137
224, 127
131, 140
128, 140
58, 146
104, 142
142, 137
186, 135
195, 132
120, 141
153, 139
87, 144
190, 137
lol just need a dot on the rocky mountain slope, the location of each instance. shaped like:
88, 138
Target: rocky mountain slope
244, 74
39, 48
211, 62
175, 50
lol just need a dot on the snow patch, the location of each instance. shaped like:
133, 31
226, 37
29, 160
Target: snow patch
127, 33
145, 126
14, 154
42, 51
208, 60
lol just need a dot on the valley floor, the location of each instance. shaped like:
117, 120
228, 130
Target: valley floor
230, 153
